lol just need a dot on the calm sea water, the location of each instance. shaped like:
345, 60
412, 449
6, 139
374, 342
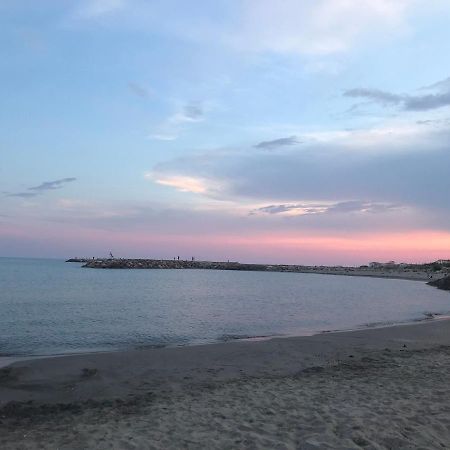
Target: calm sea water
51, 307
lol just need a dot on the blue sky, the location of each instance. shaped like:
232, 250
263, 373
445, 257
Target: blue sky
248, 130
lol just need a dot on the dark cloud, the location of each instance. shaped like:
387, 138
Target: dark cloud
138, 90
269, 145
407, 171
40, 189
51, 185
405, 101
426, 102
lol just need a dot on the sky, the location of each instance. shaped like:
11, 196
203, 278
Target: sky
303, 132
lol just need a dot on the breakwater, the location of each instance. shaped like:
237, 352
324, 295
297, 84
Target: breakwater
407, 272
181, 264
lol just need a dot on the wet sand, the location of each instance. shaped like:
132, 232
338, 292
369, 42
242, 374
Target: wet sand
376, 388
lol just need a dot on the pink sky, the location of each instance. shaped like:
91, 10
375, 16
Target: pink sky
290, 248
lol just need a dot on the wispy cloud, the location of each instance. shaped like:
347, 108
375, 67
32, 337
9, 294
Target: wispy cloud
41, 188
377, 95
90, 9
347, 207
443, 85
405, 101
139, 90
206, 186
21, 194
190, 112
174, 125
51, 185
321, 27
161, 136
281, 142
181, 183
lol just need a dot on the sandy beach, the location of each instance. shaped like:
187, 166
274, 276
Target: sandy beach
375, 388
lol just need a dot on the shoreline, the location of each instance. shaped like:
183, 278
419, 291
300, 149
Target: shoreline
8, 360
47, 366
376, 388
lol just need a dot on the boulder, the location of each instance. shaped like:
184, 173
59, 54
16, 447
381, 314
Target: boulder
443, 283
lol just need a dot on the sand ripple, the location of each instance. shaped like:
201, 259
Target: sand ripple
382, 400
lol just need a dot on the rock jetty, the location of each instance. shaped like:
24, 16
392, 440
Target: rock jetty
443, 283
173, 264
408, 272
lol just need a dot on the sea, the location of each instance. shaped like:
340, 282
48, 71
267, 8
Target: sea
50, 307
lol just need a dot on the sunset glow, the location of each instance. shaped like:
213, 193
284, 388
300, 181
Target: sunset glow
215, 131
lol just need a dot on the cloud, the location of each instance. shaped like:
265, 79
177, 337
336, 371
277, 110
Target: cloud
163, 137
361, 207
427, 102
181, 183
41, 188
319, 27
443, 85
91, 9
21, 194
404, 101
215, 218
383, 97
204, 185
138, 90
51, 185
403, 165
269, 145
291, 27
353, 206
276, 209
190, 112
174, 125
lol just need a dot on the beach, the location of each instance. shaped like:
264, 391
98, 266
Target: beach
374, 388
